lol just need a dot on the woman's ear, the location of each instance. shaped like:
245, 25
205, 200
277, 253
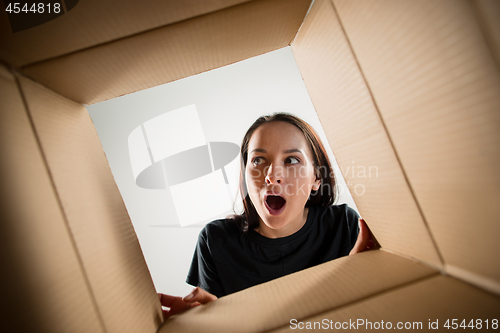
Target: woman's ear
316, 184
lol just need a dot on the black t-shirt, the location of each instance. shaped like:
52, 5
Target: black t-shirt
227, 260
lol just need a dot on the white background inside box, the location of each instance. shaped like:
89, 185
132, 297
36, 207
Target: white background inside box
227, 100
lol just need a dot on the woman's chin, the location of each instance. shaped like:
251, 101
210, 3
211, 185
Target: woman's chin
276, 222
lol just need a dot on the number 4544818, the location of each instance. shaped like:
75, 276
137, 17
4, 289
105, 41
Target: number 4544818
477, 324
34, 8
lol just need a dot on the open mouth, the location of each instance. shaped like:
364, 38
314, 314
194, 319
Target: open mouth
275, 204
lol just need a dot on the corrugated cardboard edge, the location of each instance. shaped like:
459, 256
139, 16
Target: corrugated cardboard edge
474, 279
305, 18
488, 12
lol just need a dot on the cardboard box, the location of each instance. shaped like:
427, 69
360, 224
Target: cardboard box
411, 87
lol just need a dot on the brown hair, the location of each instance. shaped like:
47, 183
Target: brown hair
324, 196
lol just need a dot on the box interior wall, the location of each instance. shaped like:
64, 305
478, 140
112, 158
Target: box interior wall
411, 87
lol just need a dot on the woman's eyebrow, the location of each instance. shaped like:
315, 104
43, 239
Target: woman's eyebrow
293, 150
259, 150
288, 151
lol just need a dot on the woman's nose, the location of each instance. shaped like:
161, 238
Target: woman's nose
273, 176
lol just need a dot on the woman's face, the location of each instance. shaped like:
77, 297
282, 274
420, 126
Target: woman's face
279, 177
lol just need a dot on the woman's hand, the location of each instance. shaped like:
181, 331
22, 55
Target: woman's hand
364, 241
178, 305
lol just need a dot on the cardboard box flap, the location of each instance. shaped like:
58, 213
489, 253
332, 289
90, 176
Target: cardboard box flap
4, 72
300, 295
359, 138
424, 305
488, 12
94, 22
172, 52
96, 215
436, 85
44, 286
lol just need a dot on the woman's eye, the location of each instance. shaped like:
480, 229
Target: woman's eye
257, 160
292, 160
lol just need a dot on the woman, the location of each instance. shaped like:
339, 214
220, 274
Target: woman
289, 222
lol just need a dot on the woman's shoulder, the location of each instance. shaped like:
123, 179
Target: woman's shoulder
334, 218
338, 211
220, 228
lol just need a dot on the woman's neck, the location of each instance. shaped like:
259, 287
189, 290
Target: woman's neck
287, 230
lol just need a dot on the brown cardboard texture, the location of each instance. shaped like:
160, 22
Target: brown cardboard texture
425, 305
487, 12
172, 52
358, 135
312, 291
453, 98
42, 276
95, 213
410, 87
88, 25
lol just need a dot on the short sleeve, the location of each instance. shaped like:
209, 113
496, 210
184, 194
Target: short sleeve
353, 220
203, 272
353, 224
